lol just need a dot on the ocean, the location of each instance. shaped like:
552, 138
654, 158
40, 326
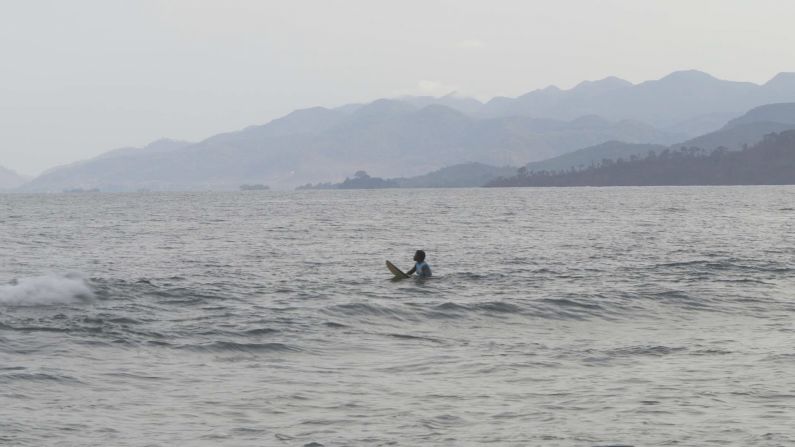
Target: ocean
555, 317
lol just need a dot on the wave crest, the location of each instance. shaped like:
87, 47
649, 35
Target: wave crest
46, 290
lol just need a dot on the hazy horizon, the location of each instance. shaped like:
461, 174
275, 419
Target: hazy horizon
88, 77
396, 96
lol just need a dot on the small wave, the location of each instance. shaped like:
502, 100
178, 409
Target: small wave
228, 346
261, 331
711, 352
655, 351
498, 307
723, 265
413, 337
46, 290
456, 310
451, 306
36, 377
35, 328
564, 302
367, 309
447, 310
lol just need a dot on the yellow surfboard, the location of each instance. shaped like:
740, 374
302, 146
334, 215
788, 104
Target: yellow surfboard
396, 271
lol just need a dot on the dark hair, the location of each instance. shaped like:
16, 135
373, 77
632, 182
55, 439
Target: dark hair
421, 254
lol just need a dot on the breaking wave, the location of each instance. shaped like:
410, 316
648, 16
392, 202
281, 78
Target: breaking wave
46, 290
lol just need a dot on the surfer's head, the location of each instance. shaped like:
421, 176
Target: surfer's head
419, 256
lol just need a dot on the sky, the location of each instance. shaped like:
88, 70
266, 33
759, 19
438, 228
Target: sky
82, 77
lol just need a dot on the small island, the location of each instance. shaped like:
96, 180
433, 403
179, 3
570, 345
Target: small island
255, 187
80, 190
360, 180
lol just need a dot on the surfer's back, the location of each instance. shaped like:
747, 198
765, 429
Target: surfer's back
423, 269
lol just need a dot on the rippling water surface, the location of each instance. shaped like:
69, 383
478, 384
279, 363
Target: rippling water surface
560, 317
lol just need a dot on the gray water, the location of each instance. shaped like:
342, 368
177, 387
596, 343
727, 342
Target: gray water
556, 317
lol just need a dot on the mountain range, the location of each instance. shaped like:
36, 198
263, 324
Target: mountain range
739, 133
389, 137
667, 103
410, 136
768, 162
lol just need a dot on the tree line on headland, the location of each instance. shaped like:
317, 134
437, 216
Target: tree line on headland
770, 162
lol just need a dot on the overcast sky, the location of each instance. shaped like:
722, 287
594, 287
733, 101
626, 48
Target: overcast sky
80, 77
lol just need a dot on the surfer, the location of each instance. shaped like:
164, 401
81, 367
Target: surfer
421, 267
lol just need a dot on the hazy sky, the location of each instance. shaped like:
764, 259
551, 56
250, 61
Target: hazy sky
81, 77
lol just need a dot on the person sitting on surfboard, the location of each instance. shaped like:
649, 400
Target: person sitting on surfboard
421, 267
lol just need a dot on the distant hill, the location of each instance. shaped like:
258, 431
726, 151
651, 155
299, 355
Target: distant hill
124, 169
772, 113
457, 176
306, 121
745, 130
702, 124
411, 136
749, 128
670, 101
583, 158
361, 180
468, 106
391, 138
10, 179
770, 162
155, 147
737, 136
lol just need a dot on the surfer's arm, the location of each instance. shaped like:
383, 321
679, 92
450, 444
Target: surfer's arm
411, 272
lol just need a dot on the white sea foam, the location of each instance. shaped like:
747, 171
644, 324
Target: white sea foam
46, 290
